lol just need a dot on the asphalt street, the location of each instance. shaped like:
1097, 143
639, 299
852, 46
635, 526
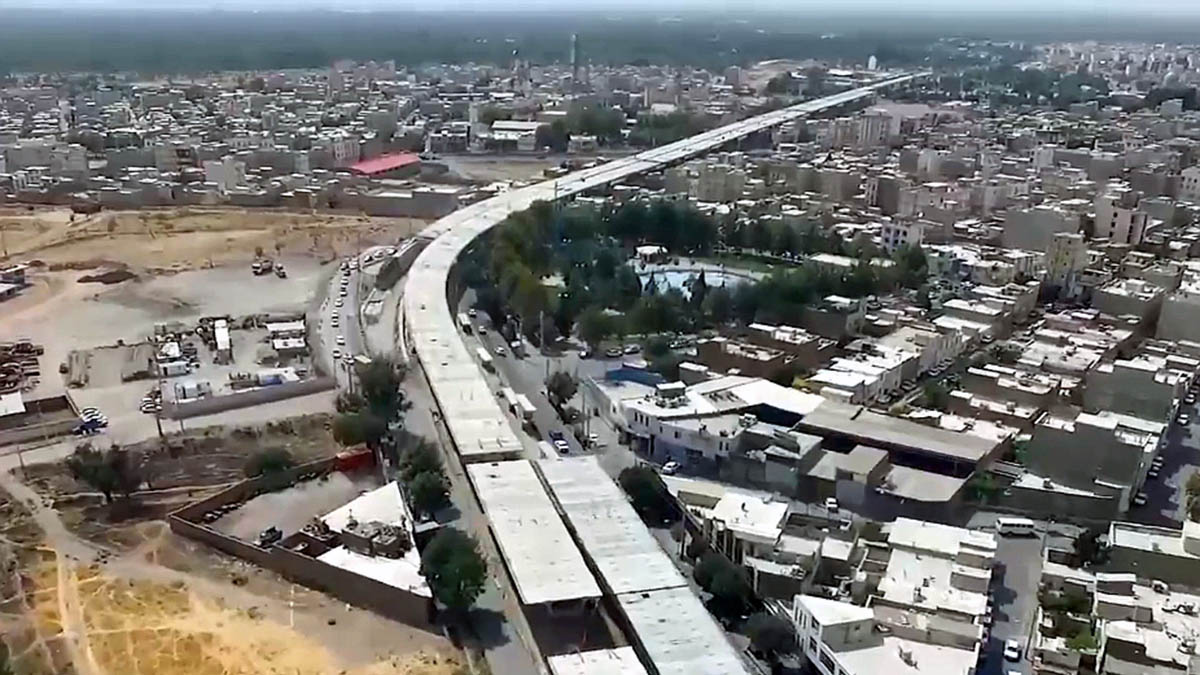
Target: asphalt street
1165, 494
1014, 595
341, 301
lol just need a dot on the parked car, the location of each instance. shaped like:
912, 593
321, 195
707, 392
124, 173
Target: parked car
340, 340
831, 504
632, 349
670, 468
562, 445
471, 313
1012, 650
1140, 499
612, 352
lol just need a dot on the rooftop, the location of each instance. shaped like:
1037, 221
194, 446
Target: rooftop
751, 517
617, 661
541, 556
385, 163
610, 532
926, 659
384, 505
883, 430
832, 612
678, 634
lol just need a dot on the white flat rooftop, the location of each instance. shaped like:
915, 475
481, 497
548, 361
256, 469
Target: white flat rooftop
385, 505
402, 572
11, 404
678, 634
539, 552
928, 659
610, 531
618, 661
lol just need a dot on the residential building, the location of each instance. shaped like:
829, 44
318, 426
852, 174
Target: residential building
1118, 216
838, 638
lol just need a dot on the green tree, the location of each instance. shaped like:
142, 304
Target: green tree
785, 239
359, 428
1089, 548
1084, 641
380, 382
113, 471
428, 492
454, 568
561, 387
269, 461
770, 635
718, 305
707, 567
912, 267
759, 236
727, 583
420, 457
935, 395
646, 493
594, 326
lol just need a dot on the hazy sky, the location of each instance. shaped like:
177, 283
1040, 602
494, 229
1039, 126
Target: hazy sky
1089, 8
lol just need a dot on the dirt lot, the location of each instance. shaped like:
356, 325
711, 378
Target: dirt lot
129, 617
149, 601
195, 461
292, 508
486, 169
186, 238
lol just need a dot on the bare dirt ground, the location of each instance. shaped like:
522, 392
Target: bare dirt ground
189, 263
88, 589
186, 238
183, 466
292, 508
490, 169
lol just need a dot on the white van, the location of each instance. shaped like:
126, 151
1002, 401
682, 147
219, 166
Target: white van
1014, 526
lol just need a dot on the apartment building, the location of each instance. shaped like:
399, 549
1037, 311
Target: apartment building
838, 638
1106, 454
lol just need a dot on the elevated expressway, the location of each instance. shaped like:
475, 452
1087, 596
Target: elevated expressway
475, 420
545, 562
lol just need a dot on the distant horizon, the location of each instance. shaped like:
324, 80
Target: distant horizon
1095, 9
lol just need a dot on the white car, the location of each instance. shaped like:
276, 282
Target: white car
670, 468
499, 350
831, 504
562, 445
1140, 499
339, 302
337, 354
342, 293
1012, 650
341, 340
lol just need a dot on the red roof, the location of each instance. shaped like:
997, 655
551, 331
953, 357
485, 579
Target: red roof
384, 163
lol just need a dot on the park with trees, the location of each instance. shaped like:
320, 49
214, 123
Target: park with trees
552, 272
